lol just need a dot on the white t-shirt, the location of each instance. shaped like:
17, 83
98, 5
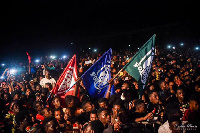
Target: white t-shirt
45, 80
164, 128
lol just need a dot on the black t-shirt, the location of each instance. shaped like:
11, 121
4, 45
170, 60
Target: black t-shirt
135, 115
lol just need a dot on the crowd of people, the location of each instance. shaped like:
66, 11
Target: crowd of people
169, 103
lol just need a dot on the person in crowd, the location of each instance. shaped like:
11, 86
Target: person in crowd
47, 79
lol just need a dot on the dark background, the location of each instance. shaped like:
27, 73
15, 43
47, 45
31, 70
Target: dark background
44, 27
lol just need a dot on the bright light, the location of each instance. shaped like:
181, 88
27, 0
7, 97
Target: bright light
174, 48
2, 64
138, 48
197, 48
169, 46
37, 61
13, 71
129, 45
1, 77
72, 43
182, 44
95, 50
89, 48
64, 56
52, 57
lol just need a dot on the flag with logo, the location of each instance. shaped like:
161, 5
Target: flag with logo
140, 64
66, 80
96, 78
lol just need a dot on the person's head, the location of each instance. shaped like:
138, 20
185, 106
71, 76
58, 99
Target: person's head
194, 104
4, 85
45, 112
116, 107
15, 95
88, 129
171, 84
58, 114
103, 103
22, 120
50, 125
153, 97
88, 106
93, 115
16, 107
38, 88
151, 87
28, 92
180, 94
103, 115
71, 101
174, 124
47, 73
6, 97
37, 105
173, 109
56, 102
67, 113
162, 85
78, 111
97, 126
48, 86
140, 106
125, 86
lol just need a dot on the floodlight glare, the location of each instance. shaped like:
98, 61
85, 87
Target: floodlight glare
52, 57
3, 64
37, 61
13, 71
64, 56
95, 50
169, 46
197, 48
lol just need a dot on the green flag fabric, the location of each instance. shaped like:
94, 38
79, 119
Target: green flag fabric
140, 64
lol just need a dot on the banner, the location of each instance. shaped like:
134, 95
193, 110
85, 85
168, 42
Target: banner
140, 64
66, 80
96, 78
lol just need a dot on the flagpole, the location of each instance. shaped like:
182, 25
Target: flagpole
87, 71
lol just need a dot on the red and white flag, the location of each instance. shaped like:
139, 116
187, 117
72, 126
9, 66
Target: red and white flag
66, 80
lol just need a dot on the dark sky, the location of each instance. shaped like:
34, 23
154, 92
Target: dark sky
49, 26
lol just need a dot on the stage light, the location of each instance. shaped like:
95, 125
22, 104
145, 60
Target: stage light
174, 47
64, 56
37, 61
129, 45
95, 50
169, 46
138, 48
3, 64
197, 48
89, 48
52, 57
181, 44
13, 71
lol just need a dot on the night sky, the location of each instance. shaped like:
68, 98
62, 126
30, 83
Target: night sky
44, 27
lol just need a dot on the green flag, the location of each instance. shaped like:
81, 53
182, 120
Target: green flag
140, 64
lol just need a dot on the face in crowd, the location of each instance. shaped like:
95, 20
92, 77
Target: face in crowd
104, 117
154, 98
